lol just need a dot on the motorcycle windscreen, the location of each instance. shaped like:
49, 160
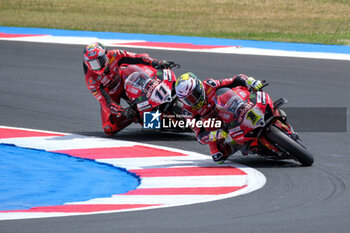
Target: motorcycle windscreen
228, 101
139, 84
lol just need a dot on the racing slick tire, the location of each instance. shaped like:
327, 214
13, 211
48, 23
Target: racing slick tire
294, 148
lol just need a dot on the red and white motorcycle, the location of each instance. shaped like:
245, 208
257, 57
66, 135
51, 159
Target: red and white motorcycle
149, 89
259, 126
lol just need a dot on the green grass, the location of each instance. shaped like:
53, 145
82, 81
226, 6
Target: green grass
308, 21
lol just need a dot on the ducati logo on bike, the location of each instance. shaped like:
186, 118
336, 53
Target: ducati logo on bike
151, 120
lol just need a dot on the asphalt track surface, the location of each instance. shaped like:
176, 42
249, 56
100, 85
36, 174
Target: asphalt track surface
42, 87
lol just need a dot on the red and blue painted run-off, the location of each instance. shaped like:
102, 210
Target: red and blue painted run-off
32, 178
56, 174
184, 43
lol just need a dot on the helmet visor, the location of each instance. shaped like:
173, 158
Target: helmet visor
195, 96
98, 63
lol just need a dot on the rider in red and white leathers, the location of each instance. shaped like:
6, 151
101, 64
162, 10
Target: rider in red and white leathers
199, 103
101, 68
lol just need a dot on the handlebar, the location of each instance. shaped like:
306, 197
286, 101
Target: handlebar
264, 84
173, 65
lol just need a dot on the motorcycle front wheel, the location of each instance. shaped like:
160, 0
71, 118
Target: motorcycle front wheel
295, 149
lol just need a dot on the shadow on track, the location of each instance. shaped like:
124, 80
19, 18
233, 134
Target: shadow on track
138, 135
255, 161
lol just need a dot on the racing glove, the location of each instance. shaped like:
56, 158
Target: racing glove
164, 64
206, 137
253, 83
217, 135
116, 109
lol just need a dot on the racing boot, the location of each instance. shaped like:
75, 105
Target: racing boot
221, 150
112, 124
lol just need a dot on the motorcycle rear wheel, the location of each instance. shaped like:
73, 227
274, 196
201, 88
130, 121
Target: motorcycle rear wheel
295, 149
